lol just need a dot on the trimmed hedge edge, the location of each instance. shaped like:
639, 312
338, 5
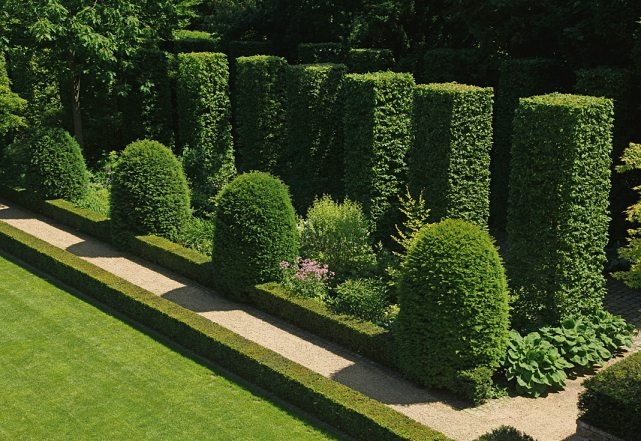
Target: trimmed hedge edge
362, 337
336, 404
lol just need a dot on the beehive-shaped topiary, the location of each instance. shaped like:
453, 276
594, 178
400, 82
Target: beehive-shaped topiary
255, 232
55, 167
149, 193
453, 321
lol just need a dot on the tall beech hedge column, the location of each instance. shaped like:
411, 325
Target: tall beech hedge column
378, 135
518, 78
450, 161
315, 132
558, 213
205, 123
260, 112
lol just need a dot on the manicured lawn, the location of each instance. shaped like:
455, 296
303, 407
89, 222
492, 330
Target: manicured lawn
71, 371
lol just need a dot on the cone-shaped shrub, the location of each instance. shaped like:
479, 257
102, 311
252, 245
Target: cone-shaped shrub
149, 193
56, 168
255, 232
453, 323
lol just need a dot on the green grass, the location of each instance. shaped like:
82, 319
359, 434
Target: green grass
69, 370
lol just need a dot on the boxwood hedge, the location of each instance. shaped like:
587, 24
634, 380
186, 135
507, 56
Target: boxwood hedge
558, 213
378, 135
334, 403
612, 399
450, 160
205, 123
315, 131
260, 113
518, 78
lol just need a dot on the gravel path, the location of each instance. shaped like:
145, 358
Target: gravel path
547, 419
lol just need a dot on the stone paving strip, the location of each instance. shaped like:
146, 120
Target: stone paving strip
547, 419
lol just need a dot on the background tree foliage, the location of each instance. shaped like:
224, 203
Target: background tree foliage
89, 39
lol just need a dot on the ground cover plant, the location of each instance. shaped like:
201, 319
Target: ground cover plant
95, 377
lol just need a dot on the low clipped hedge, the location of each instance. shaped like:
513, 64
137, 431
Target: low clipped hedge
334, 403
311, 53
259, 103
314, 132
255, 232
452, 328
612, 399
558, 212
55, 165
238, 48
450, 160
369, 60
361, 337
378, 135
149, 192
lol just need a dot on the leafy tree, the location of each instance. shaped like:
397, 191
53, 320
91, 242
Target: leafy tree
89, 38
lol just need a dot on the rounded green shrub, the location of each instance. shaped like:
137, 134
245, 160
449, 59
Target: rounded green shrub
255, 232
149, 192
453, 316
55, 167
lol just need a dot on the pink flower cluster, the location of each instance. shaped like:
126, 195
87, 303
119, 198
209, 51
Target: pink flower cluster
307, 269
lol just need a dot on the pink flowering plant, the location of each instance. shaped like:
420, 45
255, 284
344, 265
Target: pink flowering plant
306, 278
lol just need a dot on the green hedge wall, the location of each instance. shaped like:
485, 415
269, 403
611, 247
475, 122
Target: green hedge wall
558, 214
612, 399
450, 160
378, 135
260, 103
369, 60
205, 123
468, 66
315, 132
148, 108
194, 41
518, 78
310, 53
334, 403
617, 84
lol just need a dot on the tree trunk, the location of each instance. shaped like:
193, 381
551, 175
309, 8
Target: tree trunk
75, 106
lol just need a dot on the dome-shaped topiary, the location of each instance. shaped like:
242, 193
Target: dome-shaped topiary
452, 327
55, 167
255, 231
149, 192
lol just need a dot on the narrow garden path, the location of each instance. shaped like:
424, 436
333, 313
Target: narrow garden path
547, 419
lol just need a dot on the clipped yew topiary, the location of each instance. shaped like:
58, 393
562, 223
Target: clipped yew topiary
204, 123
149, 192
450, 161
452, 328
518, 78
260, 113
558, 212
55, 167
255, 232
315, 132
378, 135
